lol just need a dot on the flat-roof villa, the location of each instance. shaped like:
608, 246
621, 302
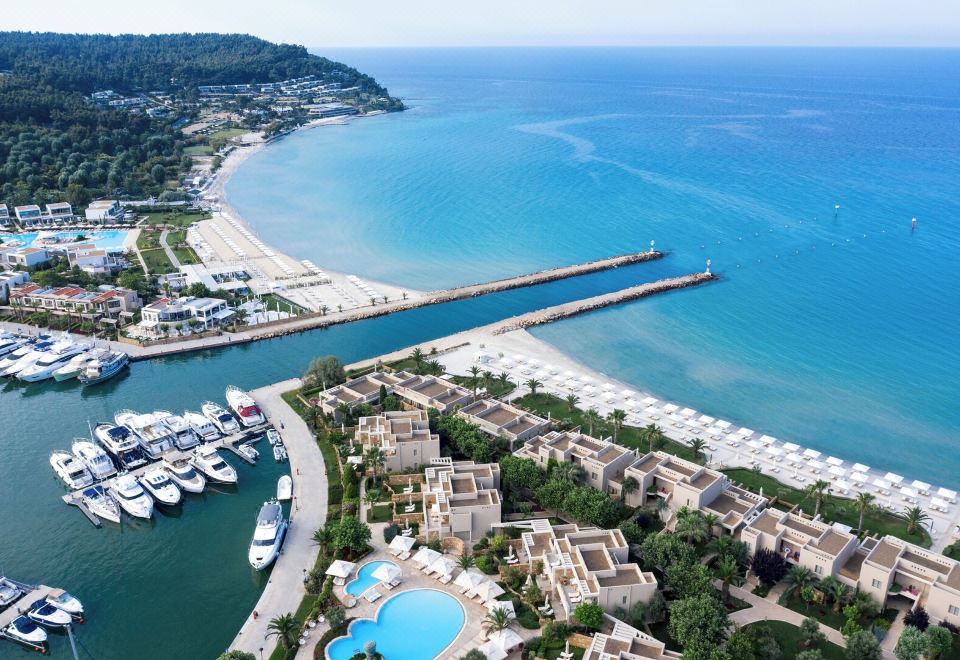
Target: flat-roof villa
95, 261
106, 301
422, 392
104, 210
404, 437
503, 420
586, 564
208, 312
4, 215
603, 462
31, 215
27, 257
28, 215
625, 642
460, 499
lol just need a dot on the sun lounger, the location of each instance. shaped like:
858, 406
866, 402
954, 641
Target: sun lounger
404, 556
543, 608
371, 595
406, 532
548, 612
512, 560
339, 581
446, 579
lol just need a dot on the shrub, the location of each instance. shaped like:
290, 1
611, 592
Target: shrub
917, 618
390, 532
949, 626
589, 615
770, 567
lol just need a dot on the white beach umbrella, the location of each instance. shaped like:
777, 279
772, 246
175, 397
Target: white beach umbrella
341, 569
947, 494
833, 460
909, 492
922, 486
489, 590
401, 544
774, 451
860, 467
860, 477
937, 502
840, 484
425, 556
387, 572
724, 424
470, 579
587, 379
627, 393
745, 432
569, 374
688, 412
837, 471
443, 566
649, 401
589, 390
706, 420
505, 605
670, 408
754, 444
814, 465
608, 386
811, 453
882, 484
893, 478
767, 439
789, 446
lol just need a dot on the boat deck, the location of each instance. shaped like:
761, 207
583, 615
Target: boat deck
18, 607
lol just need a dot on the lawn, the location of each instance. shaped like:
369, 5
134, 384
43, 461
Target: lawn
275, 304
836, 509
555, 648
788, 635
198, 150
157, 261
821, 612
380, 513
148, 240
628, 436
227, 134
185, 254
178, 218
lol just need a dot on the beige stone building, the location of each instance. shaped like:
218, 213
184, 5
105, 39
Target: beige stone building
603, 462
821, 547
625, 642
423, 392
503, 420
403, 436
460, 499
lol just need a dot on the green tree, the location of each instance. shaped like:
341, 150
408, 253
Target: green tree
236, 655
809, 654
466, 561
798, 577
496, 620
518, 475
912, 644
810, 632
914, 517
285, 628
697, 445
818, 490
323, 538
592, 418
728, 572
864, 503
324, 372
939, 641
691, 526
567, 471
572, 401
336, 615
616, 417
473, 654
662, 550
686, 580
835, 590
630, 485
374, 458
698, 620
589, 615
862, 645
653, 436
349, 533
533, 384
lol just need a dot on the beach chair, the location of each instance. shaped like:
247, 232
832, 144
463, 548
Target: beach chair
404, 555
407, 532
339, 581
371, 595
446, 579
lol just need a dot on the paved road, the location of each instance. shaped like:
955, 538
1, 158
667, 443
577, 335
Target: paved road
166, 248
284, 591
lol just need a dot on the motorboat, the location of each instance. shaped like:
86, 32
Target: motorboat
279, 453
131, 497
224, 421
64, 601
273, 437
9, 343
182, 473
267, 536
244, 407
25, 631
96, 460
184, 436
202, 426
120, 442
101, 504
77, 364
25, 359
103, 368
284, 488
9, 592
249, 451
58, 356
152, 434
70, 470
48, 615
209, 462
27, 347
161, 488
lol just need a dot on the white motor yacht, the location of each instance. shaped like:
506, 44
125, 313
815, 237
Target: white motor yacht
209, 462
202, 426
55, 358
77, 364
184, 436
25, 631
182, 473
120, 442
267, 536
224, 421
70, 470
48, 615
101, 504
9, 592
244, 407
273, 437
249, 451
9, 343
131, 497
156, 482
152, 434
96, 460
18, 361
64, 601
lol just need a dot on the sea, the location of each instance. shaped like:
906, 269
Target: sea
834, 327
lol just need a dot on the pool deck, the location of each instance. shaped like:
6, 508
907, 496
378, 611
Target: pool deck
284, 590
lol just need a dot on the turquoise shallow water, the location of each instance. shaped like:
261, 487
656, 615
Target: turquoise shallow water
364, 579
833, 327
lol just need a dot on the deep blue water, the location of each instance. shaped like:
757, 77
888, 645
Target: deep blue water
832, 328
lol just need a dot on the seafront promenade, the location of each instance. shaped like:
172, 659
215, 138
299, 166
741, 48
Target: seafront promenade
308, 511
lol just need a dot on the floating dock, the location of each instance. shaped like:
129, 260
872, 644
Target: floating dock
31, 594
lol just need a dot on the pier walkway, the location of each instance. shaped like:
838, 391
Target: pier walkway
308, 511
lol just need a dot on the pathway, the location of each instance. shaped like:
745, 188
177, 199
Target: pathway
284, 590
166, 248
131, 243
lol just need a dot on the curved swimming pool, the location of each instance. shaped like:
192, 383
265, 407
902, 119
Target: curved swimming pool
365, 579
413, 625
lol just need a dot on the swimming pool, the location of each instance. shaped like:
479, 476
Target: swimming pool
413, 625
111, 239
365, 578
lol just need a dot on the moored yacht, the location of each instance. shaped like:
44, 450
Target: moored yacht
244, 407
56, 357
64, 601
202, 426
25, 631
182, 473
224, 421
77, 364
23, 358
9, 592
10, 343
209, 462
96, 460
131, 497
184, 436
156, 482
48, 615
267, 536
70, 470
101, 504
152, 434
103, 368
121, 444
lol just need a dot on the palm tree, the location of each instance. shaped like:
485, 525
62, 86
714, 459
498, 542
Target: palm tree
697, 445
915, 517
323, 310
417, 356
504, 378
374, 458
572, 401
371, 496
567, 471
322, 537
466, 561
373, 301
653, 434
533, 384
798, 577
592, 418
864, 502
495, 621
836, 590
728, 572
661, 506
474, 378
630, 485
285, 628
617, 418
691, 526
818, 490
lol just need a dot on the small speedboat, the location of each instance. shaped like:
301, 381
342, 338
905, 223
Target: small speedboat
25, 631
224, 421
96, 460
182, 473
48, 615
161, 488
244, 407
267, 536
131, 497
208, 461
70, 470
101, 504
9, 592
202, 426
64, 601
279, 453
284, 488
273, 437
249, 451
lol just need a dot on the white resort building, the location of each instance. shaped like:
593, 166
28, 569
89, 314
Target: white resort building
460, 499
404, 437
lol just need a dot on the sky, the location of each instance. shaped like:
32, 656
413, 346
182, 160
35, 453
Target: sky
429, 23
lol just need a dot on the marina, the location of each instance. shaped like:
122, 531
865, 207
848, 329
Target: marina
26, 610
